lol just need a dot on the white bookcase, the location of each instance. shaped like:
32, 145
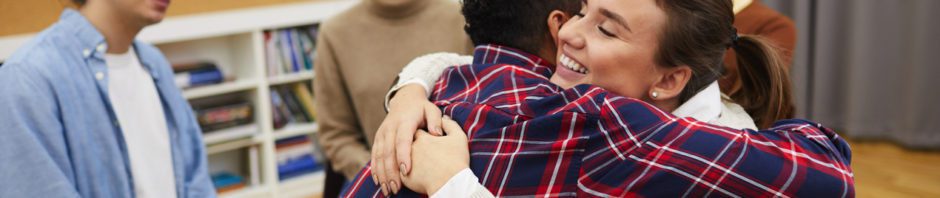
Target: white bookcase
234, 40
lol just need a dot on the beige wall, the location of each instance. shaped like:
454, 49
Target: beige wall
27, 16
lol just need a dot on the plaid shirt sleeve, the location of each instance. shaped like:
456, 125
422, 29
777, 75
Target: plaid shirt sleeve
527, 138
638, 150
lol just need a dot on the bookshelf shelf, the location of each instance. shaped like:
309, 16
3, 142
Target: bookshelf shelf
248, 192
299, 186
219, 89
230, 145
234, 133
290, 78
292, 130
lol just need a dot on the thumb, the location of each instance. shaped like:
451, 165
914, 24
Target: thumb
421, 135
452, 128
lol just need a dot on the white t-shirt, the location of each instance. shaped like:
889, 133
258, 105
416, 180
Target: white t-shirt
140, 115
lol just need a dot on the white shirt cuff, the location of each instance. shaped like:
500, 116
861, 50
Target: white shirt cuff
464, 184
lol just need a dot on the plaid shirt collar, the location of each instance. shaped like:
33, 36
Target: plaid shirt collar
497, 54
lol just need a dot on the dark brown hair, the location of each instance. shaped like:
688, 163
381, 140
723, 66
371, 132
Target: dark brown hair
513, 23
699, 32
79, 2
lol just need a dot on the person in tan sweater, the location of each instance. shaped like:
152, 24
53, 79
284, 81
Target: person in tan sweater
359, 52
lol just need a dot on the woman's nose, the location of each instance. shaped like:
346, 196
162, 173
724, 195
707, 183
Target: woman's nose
571, 34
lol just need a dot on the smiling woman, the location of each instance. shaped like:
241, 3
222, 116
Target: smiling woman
666, 53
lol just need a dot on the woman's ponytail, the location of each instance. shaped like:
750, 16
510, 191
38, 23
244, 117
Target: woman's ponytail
766, 92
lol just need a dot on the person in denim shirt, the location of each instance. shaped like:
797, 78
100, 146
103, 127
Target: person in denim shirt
87, 111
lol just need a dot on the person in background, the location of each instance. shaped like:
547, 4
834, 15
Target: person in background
88, 111
752, 17
358, 50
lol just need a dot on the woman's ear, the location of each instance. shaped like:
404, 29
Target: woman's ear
555, 20
670, 85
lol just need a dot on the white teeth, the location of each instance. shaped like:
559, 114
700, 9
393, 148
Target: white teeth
571, 64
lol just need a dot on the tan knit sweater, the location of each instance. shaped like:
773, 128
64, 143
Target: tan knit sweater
359, 53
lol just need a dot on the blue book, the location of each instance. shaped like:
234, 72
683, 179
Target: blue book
204, 76
296, 167
225, 179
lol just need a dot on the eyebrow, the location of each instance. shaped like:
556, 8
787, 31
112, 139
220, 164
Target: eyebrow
617, 18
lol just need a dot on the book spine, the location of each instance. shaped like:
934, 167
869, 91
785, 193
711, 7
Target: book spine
306, 100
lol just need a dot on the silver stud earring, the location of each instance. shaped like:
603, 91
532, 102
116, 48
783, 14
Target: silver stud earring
655, 95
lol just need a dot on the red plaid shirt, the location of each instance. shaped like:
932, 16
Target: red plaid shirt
528, 137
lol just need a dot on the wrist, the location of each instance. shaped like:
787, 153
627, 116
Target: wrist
437, 183
409, 92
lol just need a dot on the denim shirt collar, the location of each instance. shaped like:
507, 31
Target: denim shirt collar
92, 43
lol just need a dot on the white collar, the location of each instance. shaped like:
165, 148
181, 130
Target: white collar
740, 5
704, 106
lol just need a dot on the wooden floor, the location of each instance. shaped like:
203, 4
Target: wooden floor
885, 170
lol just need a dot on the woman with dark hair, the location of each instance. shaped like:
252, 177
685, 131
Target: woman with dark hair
664, 53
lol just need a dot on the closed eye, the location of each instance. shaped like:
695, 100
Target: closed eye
605, 32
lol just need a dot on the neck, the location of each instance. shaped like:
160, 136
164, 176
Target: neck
666, 105
118, 31
396, 10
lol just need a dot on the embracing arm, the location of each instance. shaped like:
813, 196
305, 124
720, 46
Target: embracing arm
640, 144
408, 111
425, 71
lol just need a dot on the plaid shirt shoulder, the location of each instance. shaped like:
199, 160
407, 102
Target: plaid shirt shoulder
529, 137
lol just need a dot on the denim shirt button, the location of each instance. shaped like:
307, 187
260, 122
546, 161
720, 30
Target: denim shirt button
86, 52
99, 76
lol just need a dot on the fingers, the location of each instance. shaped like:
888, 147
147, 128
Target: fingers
403, 150
452, 128
377, 151
378, 170
390, 162
433, 116
392, 178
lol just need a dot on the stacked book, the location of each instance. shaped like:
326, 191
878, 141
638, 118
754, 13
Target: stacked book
292, 104
224, 117
295, 157
197, 74
290, 50
227, 182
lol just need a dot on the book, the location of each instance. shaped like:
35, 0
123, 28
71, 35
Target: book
290, 50
272, 54
295, 157
198, 78
225, 179
282, 115
306, 99
227, 182
298, 167
196, 74
225, 116
293, 105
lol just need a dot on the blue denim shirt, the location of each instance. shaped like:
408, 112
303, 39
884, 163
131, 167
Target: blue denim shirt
58, 134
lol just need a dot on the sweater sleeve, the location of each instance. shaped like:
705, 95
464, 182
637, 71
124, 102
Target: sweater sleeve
425, 71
